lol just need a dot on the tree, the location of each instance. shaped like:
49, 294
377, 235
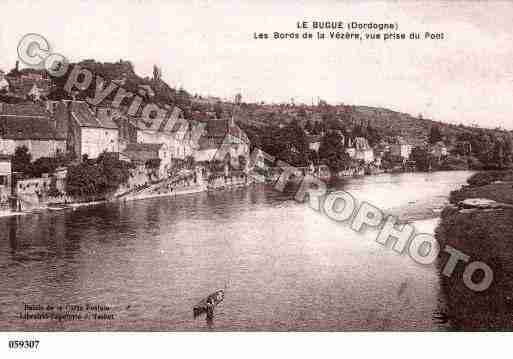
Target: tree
43, 165
84, 179
333, 153
508, 150
308, 126
435, 135
115, 171
157, 73
372, 135
423, 159
318, 128
358, 131
21, 160
498, 154
97, 178
218, 109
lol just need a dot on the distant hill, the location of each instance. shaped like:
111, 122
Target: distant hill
388, 123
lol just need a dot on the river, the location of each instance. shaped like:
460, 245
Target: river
283, 265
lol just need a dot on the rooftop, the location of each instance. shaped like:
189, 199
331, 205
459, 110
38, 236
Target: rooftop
85, 117
28, 128
155, 147
25, 109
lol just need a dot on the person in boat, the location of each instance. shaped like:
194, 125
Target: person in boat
210, 308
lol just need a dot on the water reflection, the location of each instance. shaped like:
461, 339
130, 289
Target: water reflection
288, 268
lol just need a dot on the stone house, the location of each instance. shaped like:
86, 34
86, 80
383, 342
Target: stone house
174, 131
89, 134
141, 153
32, 126
223, 140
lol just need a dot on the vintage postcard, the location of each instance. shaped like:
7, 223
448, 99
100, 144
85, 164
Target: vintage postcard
283, 166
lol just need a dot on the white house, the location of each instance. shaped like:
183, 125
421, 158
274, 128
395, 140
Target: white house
314, 142
90, 134
4, 85
360, 149
401, 149
173, 131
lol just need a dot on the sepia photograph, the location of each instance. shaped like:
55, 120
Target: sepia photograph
224, 166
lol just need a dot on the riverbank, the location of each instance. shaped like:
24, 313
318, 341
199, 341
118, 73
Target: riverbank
256, 239
479, 223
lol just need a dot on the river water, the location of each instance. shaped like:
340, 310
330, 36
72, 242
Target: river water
283, 265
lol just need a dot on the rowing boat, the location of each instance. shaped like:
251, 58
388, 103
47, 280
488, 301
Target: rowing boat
207, 305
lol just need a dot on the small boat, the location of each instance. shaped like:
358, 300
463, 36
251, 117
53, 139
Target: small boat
207, 305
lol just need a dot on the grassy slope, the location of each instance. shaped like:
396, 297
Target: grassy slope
485, 235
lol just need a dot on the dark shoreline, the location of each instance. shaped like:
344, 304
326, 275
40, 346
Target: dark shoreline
485, 234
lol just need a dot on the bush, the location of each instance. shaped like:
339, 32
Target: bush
484, 178
97, 178
454, 163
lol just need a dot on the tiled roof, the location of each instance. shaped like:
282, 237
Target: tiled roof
26, 109
155, 147
85, 117
106, 118
217, 130
141, 152
27, 122
28, 128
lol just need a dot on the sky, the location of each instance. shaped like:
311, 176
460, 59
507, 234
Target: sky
208, 47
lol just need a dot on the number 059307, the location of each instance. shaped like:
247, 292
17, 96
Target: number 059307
23, 344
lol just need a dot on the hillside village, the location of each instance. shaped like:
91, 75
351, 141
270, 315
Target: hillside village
55, 148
